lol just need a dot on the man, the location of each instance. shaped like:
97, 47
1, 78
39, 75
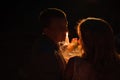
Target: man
47, 63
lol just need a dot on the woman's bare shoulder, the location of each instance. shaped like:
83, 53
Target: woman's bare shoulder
83, 69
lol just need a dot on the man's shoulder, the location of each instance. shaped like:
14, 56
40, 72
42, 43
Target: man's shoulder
42, 39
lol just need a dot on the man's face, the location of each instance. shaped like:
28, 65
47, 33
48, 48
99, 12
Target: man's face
58, 28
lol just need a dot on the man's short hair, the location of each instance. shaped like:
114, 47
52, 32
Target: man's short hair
47, 14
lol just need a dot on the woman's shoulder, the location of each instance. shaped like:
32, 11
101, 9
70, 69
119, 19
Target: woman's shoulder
82, 68
81, 64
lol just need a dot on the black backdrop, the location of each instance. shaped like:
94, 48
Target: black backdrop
21, 27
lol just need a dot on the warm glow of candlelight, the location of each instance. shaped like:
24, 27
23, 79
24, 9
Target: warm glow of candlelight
70, 49
66, 39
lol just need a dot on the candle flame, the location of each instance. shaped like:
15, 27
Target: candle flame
67, 39
66, 34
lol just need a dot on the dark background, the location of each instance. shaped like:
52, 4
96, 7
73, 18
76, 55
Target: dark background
20, 26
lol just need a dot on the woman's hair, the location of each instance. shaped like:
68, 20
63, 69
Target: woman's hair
97, 39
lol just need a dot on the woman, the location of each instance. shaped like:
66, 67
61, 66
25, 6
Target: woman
100, 60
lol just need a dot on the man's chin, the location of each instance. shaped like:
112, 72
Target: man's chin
62, 40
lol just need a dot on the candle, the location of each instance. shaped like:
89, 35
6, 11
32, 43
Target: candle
66, 39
